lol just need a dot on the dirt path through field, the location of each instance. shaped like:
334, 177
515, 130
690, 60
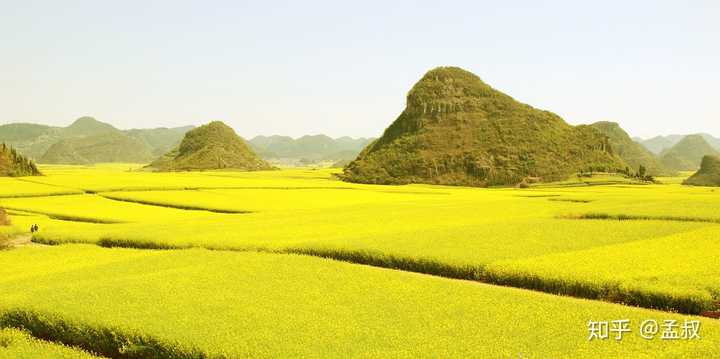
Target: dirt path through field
23, 240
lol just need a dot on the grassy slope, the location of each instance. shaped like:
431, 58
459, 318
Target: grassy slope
267, 305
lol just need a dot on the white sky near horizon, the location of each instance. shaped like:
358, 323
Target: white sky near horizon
344, 68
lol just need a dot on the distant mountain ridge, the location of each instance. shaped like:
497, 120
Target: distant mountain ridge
658, 144
159, 140
103, 147
308, 148
687, 154
88, 140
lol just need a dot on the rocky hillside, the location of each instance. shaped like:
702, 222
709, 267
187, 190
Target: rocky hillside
457, 130
634, 154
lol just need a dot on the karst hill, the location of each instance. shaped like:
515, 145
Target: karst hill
708, 175
457, 130
208, 147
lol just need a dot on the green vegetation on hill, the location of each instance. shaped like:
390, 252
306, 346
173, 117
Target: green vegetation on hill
708, 175
87, 126
29, 139
634, 154
104, 147
22, 131
14, 164
457, 130
687, 154
211, 146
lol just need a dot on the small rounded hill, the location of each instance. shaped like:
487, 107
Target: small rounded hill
208, 147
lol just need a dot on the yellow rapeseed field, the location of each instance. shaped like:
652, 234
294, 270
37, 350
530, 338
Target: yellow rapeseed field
607, 239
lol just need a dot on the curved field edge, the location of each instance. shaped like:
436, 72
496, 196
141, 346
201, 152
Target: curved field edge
109, 342
175, 206
64, 217
634, 217
33, 195
604, 291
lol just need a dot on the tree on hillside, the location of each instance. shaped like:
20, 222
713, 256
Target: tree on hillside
14, 164
642, 171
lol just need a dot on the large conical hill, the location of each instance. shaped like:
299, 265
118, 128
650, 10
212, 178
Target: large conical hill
457, 130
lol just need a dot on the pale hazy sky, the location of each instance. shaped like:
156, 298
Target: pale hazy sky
344, 68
